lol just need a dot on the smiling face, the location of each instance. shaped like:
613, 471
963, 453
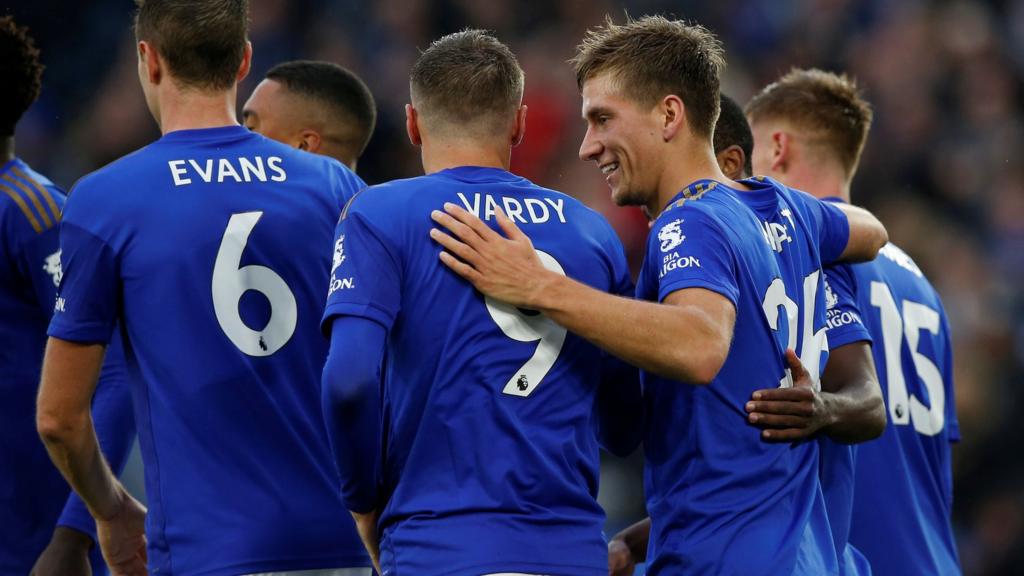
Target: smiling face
624, 138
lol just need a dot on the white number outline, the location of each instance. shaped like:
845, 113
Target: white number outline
812, 344
230, 282
904, 407
523, 328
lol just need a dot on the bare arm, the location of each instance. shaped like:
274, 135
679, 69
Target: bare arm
867, 234
366, 527
849, 408
628, 548
645, 334
64, 422
853, 395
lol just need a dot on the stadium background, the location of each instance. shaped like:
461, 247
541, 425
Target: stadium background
942, 168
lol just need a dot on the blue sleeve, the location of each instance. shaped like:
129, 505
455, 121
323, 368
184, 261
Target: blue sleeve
34, 256
833, 227
89, 293
351, 404
689, 250
115, 427
365, 274
844, 323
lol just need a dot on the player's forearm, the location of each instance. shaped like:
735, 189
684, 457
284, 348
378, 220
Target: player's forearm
64, 422
351, 407
852, 395
72, 445
867, 234
645, 334
854, 419
115, 430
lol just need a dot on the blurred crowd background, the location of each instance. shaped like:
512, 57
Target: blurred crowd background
943, 167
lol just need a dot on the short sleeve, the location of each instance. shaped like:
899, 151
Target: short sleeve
688, 249
365, 273
89, 292
844, 323
833, 228
31, 254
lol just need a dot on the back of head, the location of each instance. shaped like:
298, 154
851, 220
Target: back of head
732, 129
202, 41
21, 72
347, 103
653, 57
826, 108
467, 83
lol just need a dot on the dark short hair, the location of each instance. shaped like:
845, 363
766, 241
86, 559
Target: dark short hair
653, 57
21, 71
732, 129
202, 41
828, 106
468, 78
344, 94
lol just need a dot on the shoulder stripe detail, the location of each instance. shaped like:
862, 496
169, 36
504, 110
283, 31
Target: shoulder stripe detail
694, 193
47, 223
344, 211
24, 207
43, 191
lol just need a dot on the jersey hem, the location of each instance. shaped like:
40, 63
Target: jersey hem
256, 567
504, 567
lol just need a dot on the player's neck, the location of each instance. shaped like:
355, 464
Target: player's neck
6, 149
193, 109
697, 164
819, 184
442, 155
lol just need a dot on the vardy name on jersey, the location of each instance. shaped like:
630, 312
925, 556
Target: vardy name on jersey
491, 461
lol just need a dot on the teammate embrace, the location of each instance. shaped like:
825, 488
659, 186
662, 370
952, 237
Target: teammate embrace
485, 337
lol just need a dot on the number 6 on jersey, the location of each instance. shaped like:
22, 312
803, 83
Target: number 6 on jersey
230, 282
524, 328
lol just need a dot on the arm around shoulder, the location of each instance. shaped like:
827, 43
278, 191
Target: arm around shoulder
867, 235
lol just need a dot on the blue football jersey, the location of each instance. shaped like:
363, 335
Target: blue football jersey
211, 248
721, 500
490, 458
903, 486
838, 461
32, 490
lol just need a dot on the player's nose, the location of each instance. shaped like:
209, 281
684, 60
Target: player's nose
590, 148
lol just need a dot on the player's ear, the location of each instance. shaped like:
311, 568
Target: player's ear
731, 162
150, 61
782, 146
412, 126
246, 65
673, 114
309, 141
519, 130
